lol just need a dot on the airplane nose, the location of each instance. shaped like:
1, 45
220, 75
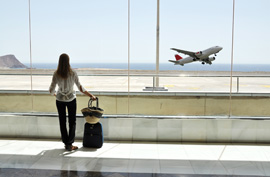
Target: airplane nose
220, 48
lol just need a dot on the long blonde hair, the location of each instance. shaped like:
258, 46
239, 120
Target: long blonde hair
63, 69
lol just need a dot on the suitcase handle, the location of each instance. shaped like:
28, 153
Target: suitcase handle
90, 102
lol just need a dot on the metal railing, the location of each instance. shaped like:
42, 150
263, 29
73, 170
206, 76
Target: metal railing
250, 81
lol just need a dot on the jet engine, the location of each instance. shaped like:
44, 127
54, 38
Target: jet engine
211, 58
198, 53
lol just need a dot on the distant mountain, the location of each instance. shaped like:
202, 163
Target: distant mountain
10, 61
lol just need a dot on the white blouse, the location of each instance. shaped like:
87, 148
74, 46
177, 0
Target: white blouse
65, 91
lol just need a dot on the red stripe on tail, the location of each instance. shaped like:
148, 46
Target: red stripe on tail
178, 57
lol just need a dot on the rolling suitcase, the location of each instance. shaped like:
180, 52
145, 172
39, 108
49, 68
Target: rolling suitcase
93, 135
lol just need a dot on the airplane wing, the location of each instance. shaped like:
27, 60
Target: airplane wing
192, 54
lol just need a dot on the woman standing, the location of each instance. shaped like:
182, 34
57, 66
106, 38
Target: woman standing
65, 78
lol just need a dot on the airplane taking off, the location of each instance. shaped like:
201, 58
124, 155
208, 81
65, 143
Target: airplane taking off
202, 56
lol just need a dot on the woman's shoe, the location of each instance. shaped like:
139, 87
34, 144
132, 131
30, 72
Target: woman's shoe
70, 147
74, 147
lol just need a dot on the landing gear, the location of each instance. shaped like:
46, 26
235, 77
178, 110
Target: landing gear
203, 63
194, 59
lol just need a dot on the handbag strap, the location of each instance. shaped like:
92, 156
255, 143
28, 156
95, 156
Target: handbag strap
90, 102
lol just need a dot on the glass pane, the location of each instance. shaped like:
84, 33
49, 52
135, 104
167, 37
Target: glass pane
14, 46
14, 54
189, 28
92, 33
142, 43
252, 64
192, 26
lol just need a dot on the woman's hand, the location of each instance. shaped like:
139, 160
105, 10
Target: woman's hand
89, 94
93, 97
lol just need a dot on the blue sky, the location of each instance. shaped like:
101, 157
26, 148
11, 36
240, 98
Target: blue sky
96, 31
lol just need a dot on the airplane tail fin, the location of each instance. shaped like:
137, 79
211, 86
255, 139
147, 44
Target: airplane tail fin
178, 57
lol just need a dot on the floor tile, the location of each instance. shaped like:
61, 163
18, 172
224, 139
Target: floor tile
128, 159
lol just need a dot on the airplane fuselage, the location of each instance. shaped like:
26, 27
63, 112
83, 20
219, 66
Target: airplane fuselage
202, 56
206, 53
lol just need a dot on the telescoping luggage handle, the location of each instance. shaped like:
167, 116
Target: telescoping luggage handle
90, 102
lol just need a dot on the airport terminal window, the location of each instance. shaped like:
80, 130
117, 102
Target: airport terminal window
95, 35
252, 38
186, 27
92, 33
142, 42
14, 45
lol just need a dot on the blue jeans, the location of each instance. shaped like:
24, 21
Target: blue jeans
67, 137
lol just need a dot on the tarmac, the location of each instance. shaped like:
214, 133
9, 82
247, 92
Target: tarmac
136, 80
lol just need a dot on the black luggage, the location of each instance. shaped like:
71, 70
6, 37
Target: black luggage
93, 135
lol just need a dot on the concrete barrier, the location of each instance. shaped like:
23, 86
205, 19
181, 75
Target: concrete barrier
147, 103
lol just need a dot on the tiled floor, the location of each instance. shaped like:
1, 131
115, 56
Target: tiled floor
48, 158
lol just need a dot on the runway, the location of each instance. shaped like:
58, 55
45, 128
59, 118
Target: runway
136, 83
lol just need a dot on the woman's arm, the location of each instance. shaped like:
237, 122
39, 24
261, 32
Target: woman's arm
81, 88
87, 93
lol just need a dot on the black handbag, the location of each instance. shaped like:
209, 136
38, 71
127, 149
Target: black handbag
92, 114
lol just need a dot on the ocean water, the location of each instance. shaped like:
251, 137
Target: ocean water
162, 66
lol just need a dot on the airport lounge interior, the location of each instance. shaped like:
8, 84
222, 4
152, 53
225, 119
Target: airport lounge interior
134, 88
